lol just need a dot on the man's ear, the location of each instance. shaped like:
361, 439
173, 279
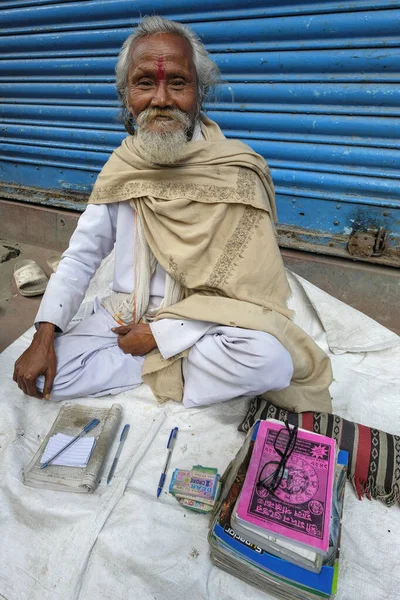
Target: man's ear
127, 120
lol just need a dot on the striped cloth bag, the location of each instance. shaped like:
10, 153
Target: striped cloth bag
374, 456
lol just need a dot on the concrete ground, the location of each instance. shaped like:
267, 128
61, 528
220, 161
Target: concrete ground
17, 312
370, 288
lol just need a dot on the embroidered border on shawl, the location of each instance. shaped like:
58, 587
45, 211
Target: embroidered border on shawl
244, 192
178, 274
246, 185
238, 242
268, 177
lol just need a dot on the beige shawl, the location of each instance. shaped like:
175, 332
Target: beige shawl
209, 223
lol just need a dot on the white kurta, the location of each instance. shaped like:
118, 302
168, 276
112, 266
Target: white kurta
223, 362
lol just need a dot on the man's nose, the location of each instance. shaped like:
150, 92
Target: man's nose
161, 97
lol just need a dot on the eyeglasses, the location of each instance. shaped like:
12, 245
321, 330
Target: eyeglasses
272, 473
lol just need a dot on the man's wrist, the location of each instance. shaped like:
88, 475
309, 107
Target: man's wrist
45, 332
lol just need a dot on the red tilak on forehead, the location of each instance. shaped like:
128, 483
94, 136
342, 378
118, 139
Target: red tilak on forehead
160, 69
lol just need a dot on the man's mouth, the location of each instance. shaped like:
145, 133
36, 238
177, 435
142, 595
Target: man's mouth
163, 121
162, 118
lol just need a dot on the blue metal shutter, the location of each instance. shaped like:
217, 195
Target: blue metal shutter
313, 86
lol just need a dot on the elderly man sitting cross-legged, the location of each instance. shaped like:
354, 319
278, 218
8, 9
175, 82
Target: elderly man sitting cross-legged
198, 302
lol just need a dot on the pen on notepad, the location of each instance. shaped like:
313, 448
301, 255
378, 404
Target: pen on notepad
122, 439
84, 431
170, 446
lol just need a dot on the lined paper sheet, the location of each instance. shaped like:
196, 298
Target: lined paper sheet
76, 456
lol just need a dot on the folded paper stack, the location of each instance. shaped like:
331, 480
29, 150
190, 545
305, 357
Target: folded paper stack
197, 489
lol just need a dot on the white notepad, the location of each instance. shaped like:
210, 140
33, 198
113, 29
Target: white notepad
76, 455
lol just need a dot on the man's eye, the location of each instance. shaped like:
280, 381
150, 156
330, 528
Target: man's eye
144, 83
177, 83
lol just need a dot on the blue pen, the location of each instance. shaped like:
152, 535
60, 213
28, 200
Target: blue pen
84, 431
170, 446
121, 443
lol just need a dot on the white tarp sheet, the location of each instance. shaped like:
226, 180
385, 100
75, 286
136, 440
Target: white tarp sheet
122, 543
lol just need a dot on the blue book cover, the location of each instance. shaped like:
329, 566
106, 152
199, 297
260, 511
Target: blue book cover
322, 581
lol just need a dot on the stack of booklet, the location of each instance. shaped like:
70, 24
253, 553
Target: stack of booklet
284, 540
197, 489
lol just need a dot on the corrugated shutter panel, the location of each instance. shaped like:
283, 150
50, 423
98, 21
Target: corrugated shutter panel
312, 86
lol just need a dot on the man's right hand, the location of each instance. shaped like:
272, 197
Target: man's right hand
38, 359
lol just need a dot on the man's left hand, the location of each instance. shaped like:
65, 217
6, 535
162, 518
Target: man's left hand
136, 339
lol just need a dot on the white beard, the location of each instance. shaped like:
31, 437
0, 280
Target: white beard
162, 148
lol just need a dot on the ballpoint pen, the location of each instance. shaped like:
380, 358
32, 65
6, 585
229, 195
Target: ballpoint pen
170, 446
84, 431
122, 439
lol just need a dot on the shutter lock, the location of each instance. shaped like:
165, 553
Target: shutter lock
364, 244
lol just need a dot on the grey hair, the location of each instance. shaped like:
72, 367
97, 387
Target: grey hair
208, 74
